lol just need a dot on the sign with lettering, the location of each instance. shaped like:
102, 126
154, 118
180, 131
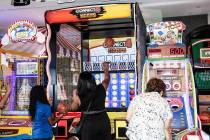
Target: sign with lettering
166, 33
166, 52
22, 31
205, 53
113, 49
89, 13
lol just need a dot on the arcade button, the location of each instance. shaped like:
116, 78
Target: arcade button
122, 81
122, 75
123, 104
123, 98
114, 81
114, 104
114, 99
131, 75
131, 86
176, 86
168, 85
123, 93
131, 81
131, 92
97, 82
114, 87
131, 97
123, 87
114, 75
114, 93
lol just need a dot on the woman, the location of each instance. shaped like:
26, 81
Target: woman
41, 116
89, 95
149, 114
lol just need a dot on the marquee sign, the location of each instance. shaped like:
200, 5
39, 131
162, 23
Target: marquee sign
112, 49
205, 53
22, 31
89, 13
166, 33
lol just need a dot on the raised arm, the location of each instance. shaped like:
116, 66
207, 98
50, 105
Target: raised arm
106, 80
74, 105
6, 96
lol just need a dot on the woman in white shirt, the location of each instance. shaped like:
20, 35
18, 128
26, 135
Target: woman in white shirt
149, 114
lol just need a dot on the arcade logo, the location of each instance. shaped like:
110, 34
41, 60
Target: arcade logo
117, 46
22, 31
87, 13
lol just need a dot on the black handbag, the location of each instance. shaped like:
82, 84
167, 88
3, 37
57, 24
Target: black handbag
78, 128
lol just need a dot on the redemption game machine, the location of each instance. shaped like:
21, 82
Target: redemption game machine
198, 42
166, 59
22, 62
101, 34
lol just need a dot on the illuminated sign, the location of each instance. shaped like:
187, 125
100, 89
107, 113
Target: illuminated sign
166, 52
22, 31
118, 46
113, 49
87, 13
205, 53
166, 33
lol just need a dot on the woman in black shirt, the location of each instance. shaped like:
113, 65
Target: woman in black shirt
92, 97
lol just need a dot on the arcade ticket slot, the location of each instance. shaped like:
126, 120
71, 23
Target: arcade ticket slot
167, 61
23, 68
105, 35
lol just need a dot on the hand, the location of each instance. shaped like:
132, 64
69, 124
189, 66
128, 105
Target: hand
75, 101
105, 66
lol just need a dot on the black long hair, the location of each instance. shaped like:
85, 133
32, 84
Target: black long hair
86, 88
37, 93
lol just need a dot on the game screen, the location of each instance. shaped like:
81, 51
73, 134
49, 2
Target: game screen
121, 88
117, 47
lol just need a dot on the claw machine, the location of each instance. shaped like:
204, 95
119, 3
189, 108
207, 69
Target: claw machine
166, 59
94, 34
23, 60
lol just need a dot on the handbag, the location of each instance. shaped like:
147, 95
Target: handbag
78, 128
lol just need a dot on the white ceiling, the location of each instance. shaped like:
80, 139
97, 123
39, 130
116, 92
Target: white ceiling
153, 10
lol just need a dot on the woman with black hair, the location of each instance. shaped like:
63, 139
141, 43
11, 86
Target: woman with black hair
91, 97
149, 114
41, 115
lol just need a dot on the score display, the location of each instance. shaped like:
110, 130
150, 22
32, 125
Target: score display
177, 51
166, 51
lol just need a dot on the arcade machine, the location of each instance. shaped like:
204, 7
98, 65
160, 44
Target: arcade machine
21, 62
199, 51
105, 35
167, 60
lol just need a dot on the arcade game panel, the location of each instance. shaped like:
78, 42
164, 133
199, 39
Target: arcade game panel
199, 51
22, 62
101, 34
167, 60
